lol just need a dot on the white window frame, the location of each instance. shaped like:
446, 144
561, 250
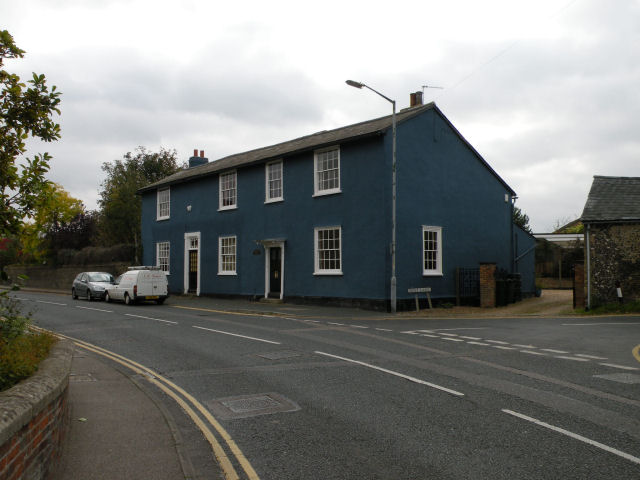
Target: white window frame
267, 183
317, 158
438, 251
316, 252
222, 254
159, 247
221, 191
162, 202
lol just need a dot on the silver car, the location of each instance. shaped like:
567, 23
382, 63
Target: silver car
91, 285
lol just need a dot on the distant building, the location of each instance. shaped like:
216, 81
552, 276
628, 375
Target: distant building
612, 239
310, 219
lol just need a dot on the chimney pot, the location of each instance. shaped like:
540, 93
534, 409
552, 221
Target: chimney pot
195, 152
418, 98
412, 100
201, 153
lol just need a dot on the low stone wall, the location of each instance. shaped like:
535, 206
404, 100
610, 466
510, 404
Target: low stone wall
58, 278
34, 418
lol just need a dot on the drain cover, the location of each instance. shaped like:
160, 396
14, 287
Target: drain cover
621, 377
244, 406
279, 355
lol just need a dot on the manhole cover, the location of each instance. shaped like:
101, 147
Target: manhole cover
244, 406
279, 355
621, 377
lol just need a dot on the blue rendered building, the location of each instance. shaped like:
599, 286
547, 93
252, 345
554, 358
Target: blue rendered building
310, 218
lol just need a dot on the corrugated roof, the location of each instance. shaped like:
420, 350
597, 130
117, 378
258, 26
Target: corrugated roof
317, 140
613, 199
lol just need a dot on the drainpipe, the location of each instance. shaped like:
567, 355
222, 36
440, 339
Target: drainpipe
588, 247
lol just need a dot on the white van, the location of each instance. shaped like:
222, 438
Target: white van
139, 284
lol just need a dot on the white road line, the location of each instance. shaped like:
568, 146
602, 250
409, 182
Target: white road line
413, 332
590, 357
397, 374
497, 341
523, 346
448, 334
52, 303
470, 338
531, 352
576, 359
429, 335
149, 318
575, 436
96, 309
502, 347
623, 367
237, 335
452, 339
551, 350
358, 326
594, 324
467, 328
336, 323
312, 321
483, 344
384, 330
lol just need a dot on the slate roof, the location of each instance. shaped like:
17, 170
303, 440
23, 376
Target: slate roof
613, 199
314, 141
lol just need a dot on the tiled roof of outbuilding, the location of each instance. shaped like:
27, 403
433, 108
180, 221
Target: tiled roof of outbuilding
325, 138
613, 199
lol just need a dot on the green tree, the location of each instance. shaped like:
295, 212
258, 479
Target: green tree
120, 207
25, 111
521, 219
53, 209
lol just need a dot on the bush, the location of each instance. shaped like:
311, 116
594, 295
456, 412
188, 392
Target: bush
20, 350
629, 307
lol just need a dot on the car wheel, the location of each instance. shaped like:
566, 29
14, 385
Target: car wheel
89, 297
74, 295
107, 298
127, 299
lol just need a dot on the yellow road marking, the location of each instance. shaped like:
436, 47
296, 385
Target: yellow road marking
636, 352
221, 456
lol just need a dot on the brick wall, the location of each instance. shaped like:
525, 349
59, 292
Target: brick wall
615, 257
579, 296
488, 285
34, 418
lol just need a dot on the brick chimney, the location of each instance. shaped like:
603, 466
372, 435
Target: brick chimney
415, 99
196, 160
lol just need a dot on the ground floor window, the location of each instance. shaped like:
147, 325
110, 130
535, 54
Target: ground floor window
328, 251
431, 250
162, 256
227, 255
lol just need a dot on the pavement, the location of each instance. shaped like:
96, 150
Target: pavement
119, 429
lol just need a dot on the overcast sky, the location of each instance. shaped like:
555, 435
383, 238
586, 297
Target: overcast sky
548, 91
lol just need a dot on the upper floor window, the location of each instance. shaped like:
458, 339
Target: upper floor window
227, 255
273, 181
328, 251
164, 204
162, 256
228, 190
432, 250
327, 171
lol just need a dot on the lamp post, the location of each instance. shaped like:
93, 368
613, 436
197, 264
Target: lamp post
393, 190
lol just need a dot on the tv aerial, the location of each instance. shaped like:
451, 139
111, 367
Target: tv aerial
429, 86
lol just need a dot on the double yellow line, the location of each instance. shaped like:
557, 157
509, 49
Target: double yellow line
189, 404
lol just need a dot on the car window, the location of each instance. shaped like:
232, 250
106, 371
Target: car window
117, 281
100, 277
84, 277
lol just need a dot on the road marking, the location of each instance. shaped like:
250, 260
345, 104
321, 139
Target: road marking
237, 335
149, 318
480, 343
96, 309
336, 323
471, 338
636, 352
448, 334
623, 367
384, 330
594, 324
502, 347
591, 357
153, 377
523, 346
429, 335
575, 359
575, 436
452, 339
397, 374
531, 352
497, 341
551, 350
414, 332
358, 326
52, 303
467, 328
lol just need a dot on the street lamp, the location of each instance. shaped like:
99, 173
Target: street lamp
393, 191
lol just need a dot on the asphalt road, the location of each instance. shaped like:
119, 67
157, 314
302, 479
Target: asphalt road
358, 397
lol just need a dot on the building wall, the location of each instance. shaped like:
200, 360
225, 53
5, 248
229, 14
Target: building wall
441, 182
615, 256
525, 247
357, 210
